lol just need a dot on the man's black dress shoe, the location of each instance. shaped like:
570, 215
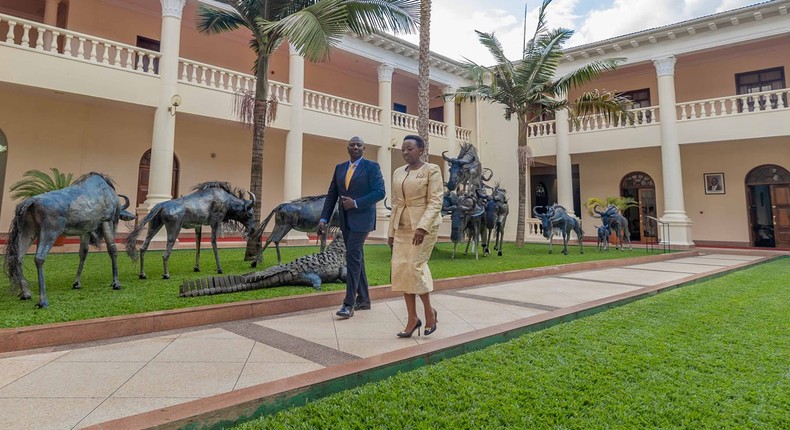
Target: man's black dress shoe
345, 312
362, 306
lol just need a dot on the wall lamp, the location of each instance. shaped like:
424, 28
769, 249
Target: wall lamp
175, 102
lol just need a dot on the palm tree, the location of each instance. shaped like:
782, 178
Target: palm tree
529, 89
313, 27
423, 78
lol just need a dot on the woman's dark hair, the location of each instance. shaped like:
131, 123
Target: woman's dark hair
417, 139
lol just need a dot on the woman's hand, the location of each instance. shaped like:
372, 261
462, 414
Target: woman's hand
419, 236
390, 241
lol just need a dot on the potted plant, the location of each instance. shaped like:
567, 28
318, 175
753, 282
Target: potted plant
36, 182
621, 203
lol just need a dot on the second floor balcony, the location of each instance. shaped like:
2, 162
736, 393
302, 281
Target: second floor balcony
64, 61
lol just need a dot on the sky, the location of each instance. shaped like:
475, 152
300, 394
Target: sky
453, 22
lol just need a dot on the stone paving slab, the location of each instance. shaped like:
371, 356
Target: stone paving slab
86, 386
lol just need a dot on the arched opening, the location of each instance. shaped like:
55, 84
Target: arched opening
768, 199
143, 173
640, 187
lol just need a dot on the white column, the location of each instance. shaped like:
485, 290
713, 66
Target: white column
386, 147
449, 119
564, 169
162, 143
674, 207
292, 183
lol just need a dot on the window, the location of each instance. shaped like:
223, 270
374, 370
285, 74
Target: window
757, 82
151, 45
436, 113
640, 99
397, 107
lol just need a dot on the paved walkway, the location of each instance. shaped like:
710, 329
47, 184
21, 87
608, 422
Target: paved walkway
75, 388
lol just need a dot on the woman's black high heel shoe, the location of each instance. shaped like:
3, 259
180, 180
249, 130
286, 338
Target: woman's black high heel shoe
409, 333
429, 330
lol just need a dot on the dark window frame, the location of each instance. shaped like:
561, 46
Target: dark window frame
640, 99
762, 83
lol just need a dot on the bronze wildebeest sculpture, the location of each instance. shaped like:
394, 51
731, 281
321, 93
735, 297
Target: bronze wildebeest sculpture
556, 216
499, 195
303, 215
212, 203
617, 223
89, 208
466, 170
466, 214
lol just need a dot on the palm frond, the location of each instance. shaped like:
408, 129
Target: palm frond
611, 106
37, 182
587, 73
368, 16
540, 28
490, 41
312, 30
215, 21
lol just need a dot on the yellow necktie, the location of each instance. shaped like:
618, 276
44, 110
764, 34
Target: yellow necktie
349, 174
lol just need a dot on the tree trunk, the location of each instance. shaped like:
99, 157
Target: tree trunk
258, 134
423, 80
524, 155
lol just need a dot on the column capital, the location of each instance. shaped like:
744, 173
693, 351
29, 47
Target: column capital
385, 72
665, 66
449, 89
172, 8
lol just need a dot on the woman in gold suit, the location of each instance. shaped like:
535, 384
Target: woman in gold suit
413, 229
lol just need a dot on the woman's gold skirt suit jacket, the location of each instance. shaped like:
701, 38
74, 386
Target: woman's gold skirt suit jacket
416, 203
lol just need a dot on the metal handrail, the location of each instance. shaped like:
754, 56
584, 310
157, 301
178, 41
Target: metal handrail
665, 243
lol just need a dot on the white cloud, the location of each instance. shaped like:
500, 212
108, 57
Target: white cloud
453, 22
629, 16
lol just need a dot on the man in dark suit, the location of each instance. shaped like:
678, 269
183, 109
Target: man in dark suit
356, 186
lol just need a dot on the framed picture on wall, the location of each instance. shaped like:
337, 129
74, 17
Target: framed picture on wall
714, 183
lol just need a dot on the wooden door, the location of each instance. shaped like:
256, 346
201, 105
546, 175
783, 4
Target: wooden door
780, 201
142, 177
647, 208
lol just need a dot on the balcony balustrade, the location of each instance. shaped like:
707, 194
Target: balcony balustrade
733, 105
208, 76
339, 106
31, 35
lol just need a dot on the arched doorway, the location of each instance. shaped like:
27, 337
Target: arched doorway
768, 198
640, 187
142, 177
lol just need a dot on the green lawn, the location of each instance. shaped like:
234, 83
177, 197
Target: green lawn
712, 355
97, 299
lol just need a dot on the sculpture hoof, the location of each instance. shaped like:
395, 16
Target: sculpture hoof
254, 264
40, 305
166, 276
143, 276
196, 269
76, 286
116, 286
499, 253
24, 297
219, 271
